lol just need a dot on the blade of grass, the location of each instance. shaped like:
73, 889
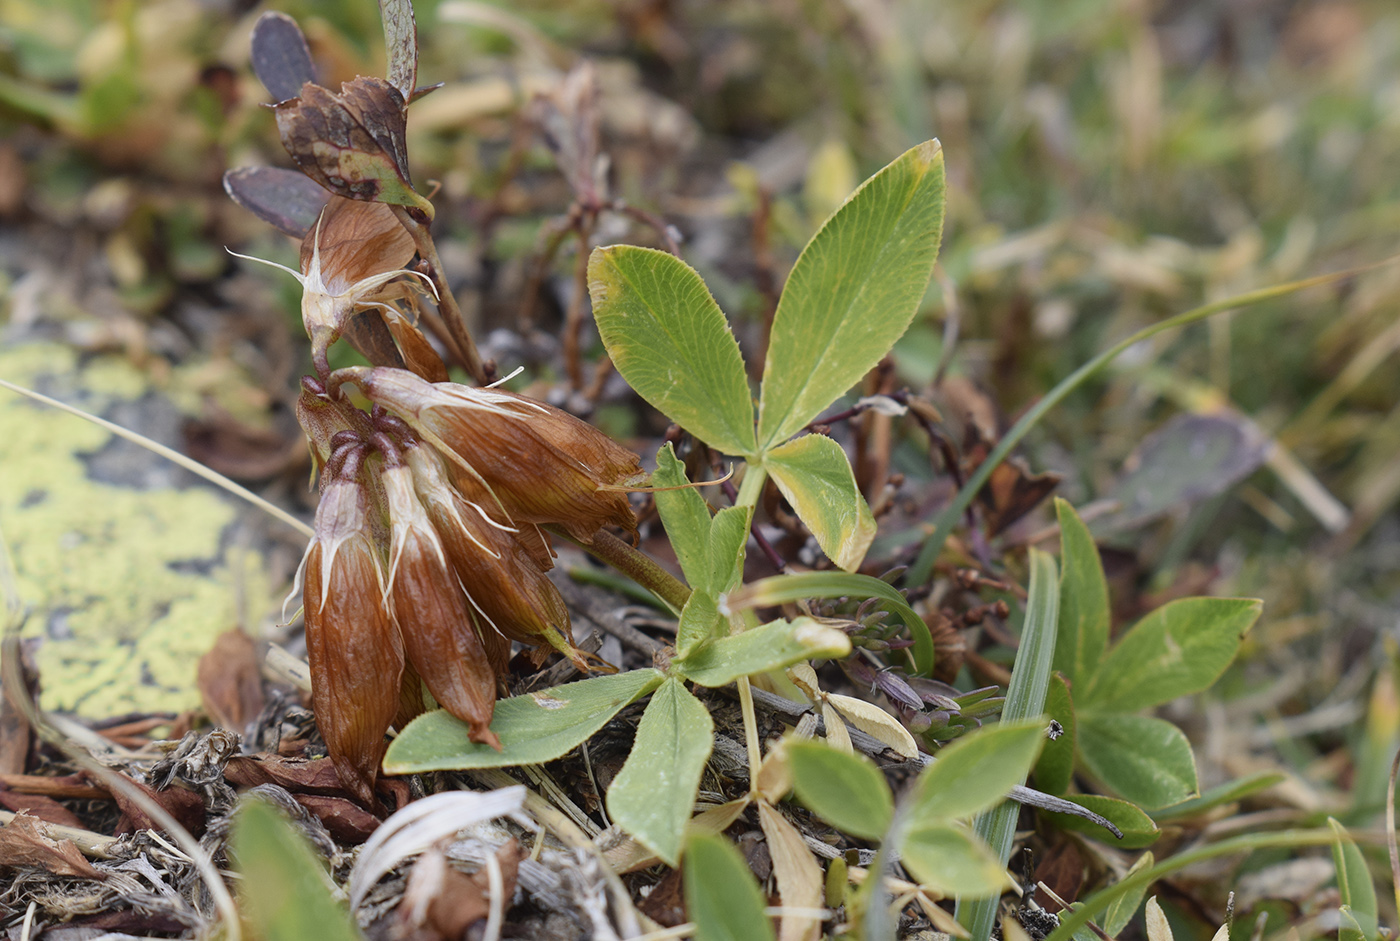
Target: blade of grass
1025, 698
1072, 921
943, 524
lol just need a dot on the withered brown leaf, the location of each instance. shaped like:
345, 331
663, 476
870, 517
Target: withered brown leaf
25, 842
352, 143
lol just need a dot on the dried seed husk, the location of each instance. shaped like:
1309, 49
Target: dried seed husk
507, 589
353, 645
542, 465
431, 610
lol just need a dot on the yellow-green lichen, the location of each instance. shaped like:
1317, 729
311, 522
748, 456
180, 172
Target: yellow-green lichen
127, 587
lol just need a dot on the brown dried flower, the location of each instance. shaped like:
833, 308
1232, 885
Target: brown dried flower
540, 464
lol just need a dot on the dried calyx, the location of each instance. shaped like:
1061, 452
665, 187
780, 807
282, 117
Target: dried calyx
428, 559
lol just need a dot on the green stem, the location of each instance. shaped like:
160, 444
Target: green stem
1070, 922
945, 521
752, 487
447, 302
634, 565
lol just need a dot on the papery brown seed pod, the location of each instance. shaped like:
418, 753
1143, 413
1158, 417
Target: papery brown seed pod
352, 643
431, 610
543, 465
508, 590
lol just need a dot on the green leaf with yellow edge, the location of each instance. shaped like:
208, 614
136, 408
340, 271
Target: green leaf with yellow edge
670, 341
1178, 649
533, 728
951, 859
816, 478
653, 795
721, 896
777, 644
1145, 760
845, 790
1055, 769
1084, 614
1137, 827
853, 291
976, 771
283, 890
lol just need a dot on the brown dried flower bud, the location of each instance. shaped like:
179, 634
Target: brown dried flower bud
542, 465
431, 611
354, 648
352, 143
507, 588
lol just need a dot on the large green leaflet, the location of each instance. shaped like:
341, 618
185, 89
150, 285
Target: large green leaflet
283, 889
533, 728
853, 292
1143, 759
670, 341
976, 772
816, 478
654, 794
1178, 649
845, 790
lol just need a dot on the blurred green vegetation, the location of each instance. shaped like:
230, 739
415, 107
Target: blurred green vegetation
1110, 162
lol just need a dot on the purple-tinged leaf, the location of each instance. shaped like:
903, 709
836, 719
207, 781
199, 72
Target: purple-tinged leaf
288, 200
281, 59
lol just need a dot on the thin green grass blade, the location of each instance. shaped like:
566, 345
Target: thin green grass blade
1025, 698
943, 524
782, 589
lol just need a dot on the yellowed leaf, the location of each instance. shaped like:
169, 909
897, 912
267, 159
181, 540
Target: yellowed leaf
798, 875
836, 735
774, 776
873, 720
1157, 927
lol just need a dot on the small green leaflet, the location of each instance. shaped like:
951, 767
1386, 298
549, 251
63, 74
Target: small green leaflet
975, 772
1178, 649
845, 790
950, 858
1143, 759
774, 645
654, 794
721, 896
1084, 613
